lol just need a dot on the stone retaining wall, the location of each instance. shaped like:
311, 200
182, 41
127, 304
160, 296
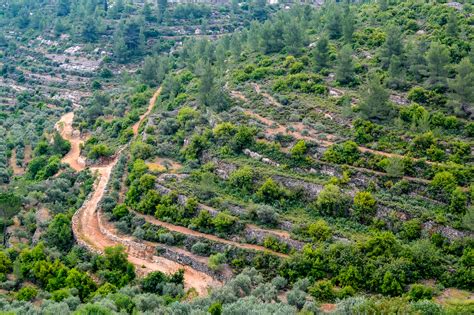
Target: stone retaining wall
181, 258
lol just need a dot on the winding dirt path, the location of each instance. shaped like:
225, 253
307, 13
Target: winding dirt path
65, 129
151, 104
86, 223
187, 231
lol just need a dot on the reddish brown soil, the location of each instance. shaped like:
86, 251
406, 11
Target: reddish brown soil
65, 129
17, 170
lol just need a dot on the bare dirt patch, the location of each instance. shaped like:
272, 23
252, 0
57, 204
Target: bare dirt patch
163, 165
17, 170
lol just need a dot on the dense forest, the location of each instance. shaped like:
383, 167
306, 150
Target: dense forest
236, 157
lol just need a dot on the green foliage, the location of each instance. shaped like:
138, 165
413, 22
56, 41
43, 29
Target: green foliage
242, 179
319, 231
271, 192
331, 201
458, 202
376, 106
273, 243
364, 206
114, 266
323, 291
59, 233
141, 150
443, 185
5, 264
365, 131
99, 151
411, 229
120, 211
345, 153
224, 222
345, 74
216, 261
26, 293
391, 285
321, 53
303, 82
80, 281
299, 149
420, 292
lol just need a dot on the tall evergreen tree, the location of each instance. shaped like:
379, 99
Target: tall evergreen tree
293, 37
452, 25
89, 30
64, 7
416, 61
392, 46
375, 106
348, 26
321, 53
463, 84
396, 74
438, 59
345, 66
334, 23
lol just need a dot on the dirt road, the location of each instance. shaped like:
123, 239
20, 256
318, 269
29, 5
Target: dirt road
151, 104
65, 129
87, 228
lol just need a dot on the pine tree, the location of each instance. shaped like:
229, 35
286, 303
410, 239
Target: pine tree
396, 74
321, 53
438, 58
64, 7
89, 30
293, 37
345, 67
452, 25
334, 25
416, 61
375, 106
348, 27
392, 45
463, 83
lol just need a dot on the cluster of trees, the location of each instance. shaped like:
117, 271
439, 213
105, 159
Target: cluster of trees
68, 279
46, 158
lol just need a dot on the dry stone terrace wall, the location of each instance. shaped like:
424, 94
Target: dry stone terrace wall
182, 258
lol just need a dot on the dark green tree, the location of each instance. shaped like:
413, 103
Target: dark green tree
438, 59
463, 84
64, 7
10, 204
376, 106
348, 26
392, 46
321, 53
345, 66
59, 233
89, 31
452, 25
